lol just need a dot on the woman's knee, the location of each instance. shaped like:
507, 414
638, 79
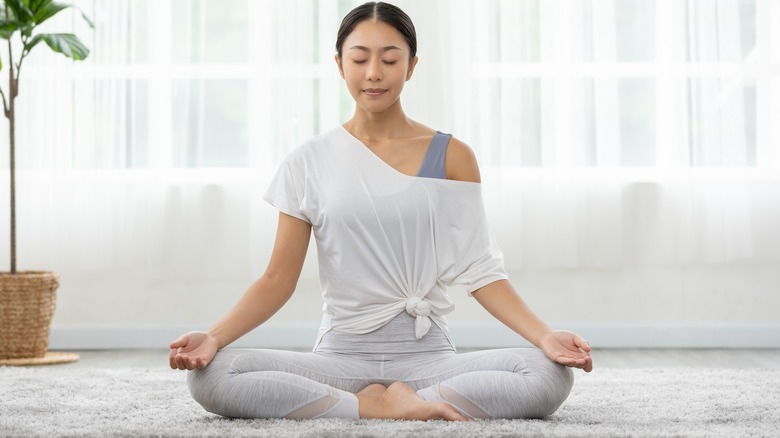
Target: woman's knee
556, 381
527, 384
547, 385
210, 386
240, 385
203, 385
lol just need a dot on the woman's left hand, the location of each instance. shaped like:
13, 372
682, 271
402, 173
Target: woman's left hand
567, 348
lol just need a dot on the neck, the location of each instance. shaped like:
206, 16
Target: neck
378, 126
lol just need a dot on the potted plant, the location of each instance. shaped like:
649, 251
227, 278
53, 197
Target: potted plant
27, 298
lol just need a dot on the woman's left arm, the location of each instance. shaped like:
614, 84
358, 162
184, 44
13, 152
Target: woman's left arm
500, 298
503, 302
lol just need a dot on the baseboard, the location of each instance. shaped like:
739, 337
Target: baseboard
302, 336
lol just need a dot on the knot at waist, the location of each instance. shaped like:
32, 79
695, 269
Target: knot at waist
421, 310
418, 307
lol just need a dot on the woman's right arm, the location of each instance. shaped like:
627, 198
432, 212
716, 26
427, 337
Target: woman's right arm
261, 301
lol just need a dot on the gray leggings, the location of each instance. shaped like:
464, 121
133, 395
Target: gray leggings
501, 383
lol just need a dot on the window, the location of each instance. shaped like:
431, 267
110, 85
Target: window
238, 83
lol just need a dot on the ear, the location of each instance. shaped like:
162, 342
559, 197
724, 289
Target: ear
412, 65
338, 63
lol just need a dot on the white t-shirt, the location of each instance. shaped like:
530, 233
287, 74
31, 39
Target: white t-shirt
387, 242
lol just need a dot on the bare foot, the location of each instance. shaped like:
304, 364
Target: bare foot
373, 390
400, 401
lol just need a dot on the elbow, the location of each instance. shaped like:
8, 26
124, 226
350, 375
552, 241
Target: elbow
285, 284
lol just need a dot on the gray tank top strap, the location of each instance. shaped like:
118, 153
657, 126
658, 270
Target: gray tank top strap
433, 164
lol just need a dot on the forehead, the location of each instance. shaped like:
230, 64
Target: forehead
375, 35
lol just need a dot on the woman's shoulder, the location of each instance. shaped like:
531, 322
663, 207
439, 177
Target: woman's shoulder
460, 163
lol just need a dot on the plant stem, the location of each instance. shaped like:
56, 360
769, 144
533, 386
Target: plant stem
19, 65
10, 114
5, 106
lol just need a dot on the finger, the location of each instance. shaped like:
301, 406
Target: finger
585, 363
192, 363
181, 361
172, 359
200, 363
581, 343
575, 362
568, 361
181, 342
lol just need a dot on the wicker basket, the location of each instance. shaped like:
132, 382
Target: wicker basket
27, 302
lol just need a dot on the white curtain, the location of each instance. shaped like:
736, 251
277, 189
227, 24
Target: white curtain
610, 133
619, 133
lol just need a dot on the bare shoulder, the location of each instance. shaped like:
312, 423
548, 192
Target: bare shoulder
460, 162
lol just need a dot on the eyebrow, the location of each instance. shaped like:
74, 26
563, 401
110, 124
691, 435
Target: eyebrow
383, 49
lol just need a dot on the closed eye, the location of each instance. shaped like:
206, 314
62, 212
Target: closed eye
363, 61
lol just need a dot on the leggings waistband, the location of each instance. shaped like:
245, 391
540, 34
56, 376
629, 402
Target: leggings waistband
394, 338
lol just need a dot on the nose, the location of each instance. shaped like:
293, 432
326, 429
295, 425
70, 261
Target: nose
374, 70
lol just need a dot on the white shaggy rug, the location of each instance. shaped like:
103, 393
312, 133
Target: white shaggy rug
62, 401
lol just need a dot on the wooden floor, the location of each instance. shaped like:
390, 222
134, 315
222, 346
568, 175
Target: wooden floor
608, 358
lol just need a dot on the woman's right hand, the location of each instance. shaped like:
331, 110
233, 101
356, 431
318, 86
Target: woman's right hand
193, 350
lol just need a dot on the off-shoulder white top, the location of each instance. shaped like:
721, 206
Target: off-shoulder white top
387, 242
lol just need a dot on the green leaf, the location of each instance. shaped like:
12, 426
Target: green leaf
84, 16
47, 11
32, 43
65, 43
20, 10
35, 5
8, 27
27, 29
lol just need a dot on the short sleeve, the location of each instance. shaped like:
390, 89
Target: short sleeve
467, 252
286, 192
483, 270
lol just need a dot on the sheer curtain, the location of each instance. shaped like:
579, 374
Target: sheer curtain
628, 133
610, 134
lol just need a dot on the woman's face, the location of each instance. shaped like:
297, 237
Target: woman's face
375, 65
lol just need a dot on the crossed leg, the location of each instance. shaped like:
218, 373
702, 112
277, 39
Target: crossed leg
500, 383
506, 383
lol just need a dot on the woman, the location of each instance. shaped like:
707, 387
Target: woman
397, 213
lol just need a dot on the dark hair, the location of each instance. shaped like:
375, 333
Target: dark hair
381, 11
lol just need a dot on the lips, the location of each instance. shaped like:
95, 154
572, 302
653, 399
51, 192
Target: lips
374, 91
